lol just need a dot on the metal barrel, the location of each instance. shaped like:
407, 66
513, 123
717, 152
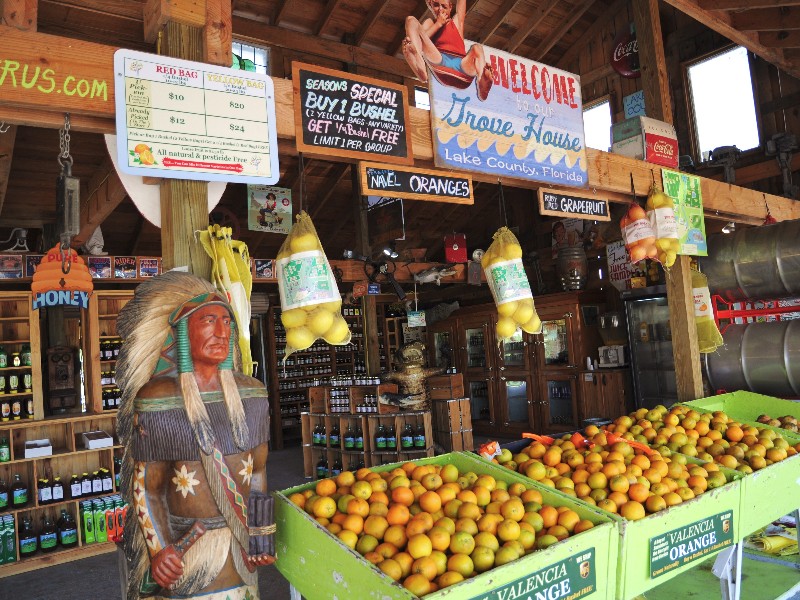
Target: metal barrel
757, 262
759, 357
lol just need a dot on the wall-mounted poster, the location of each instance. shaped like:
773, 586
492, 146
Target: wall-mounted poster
125, 267
149, 267
684, 189
269, 209
31, 262
265, 268
11, 266
99, 266
567, 233
494, 112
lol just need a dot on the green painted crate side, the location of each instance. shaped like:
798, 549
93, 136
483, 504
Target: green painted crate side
747, 406
354, 577
770, 493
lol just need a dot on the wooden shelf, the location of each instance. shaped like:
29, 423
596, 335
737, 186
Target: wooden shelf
6, 342
21, 319
21, 367
17, 395
56, 557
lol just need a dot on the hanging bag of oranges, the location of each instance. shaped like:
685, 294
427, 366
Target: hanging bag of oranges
505, 274
310, 301
640, 239
661, 214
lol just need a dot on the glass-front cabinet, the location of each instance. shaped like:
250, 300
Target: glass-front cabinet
442, 350
473, 348
514, 354
514, 396
558, 407
556, 341
481, 395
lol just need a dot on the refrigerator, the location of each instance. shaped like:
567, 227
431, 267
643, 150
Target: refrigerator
650, 346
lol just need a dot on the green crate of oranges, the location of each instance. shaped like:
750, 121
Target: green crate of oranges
453, 526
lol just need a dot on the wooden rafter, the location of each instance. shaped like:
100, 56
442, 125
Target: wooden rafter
608, 16
780, 39
397, 44
329, 186
555, 36
536, 18
6, 154
280, 12
497, 19
768, 19
325, 19
722, 24
744, 4
105, 194
372, 18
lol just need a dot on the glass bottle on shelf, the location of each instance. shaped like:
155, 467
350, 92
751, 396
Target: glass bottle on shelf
45, 492
336, 469
97, 483
5, 450
16, 360
107, 480
28, 540
334, 437
67, 530
86, 485
349, 437
358, 437
26, 355
419, 436
48, 538
323, 438
5, 407
407, 437
391, 438
3, 358
322, 468
58, 490
75, 487
19, 492
380, 437
3, 497
16, 407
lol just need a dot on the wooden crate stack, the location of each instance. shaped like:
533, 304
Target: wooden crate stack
452, 420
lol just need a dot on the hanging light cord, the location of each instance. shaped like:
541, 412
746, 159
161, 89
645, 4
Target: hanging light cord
302, 183
503, 203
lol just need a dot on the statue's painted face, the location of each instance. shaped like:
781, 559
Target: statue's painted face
209, 334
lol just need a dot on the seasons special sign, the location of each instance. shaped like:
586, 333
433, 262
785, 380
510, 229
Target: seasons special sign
349, 115
559, 203
415, 184
189, 120
530, 125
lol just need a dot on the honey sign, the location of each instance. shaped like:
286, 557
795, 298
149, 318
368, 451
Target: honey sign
52, 286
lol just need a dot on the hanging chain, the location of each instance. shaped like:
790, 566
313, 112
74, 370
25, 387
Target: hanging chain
503, 203
65, 160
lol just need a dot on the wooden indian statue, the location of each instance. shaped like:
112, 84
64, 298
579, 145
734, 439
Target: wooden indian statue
195, 434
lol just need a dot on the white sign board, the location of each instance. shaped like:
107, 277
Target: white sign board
188, 120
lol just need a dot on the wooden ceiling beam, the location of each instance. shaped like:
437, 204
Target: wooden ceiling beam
608, 16
372, 18
258, 33
744, 4
497, 19
780, 39
536, 18
722, 24
554, 37
7, 138
280, 12
329, 185
325, 19
768, 19
106, 192
21, 14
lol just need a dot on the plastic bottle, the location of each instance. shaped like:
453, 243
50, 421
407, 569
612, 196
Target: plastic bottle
19, 492
48, 538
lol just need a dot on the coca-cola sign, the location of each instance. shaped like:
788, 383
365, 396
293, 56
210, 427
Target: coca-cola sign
664, 148
625, 55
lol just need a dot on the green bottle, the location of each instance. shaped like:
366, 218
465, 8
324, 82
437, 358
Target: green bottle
87, 516
11, 539
100, 532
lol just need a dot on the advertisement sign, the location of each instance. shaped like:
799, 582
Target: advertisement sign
557, 203
415, 184
269, 209
625, 54
529, 126
685, 192
385, 219
416, 318
350, 115
188, 120
690, 542
620, 269
566, 233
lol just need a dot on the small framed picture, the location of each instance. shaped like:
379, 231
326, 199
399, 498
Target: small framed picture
148, 267
99, 266
590, 314
125, 267
11, 266
265, 268
31, 262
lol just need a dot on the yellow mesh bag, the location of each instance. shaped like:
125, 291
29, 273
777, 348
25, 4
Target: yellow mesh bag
708, 336
505, 274
311, 307
661, 213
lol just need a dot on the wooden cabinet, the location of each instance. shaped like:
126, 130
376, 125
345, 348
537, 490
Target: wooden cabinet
605, 394
68, 457
529, 382
19, 329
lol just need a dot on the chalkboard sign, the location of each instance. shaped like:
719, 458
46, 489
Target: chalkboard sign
415, 184
350, 116
562, 203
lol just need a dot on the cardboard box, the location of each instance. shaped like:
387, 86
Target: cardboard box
646, 139
97, 439
34, 448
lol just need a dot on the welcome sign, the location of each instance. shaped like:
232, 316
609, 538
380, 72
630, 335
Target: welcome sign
530, 126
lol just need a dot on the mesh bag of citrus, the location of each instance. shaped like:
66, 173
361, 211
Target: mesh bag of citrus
505, 274
661, 213
708, 335
311, 307
640, 239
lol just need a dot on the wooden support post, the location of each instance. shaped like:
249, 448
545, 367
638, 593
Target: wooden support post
199, 31
657, 99
372, 356
22, 14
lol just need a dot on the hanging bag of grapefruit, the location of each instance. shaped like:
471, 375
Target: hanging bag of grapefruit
640, 239
310, 301
661, 214
505, 274
708, 335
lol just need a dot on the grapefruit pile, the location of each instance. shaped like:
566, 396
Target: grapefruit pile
429, 526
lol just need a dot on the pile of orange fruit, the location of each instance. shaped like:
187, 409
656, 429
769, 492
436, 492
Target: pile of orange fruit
708, 436
788, 422
430, 526
616, 476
